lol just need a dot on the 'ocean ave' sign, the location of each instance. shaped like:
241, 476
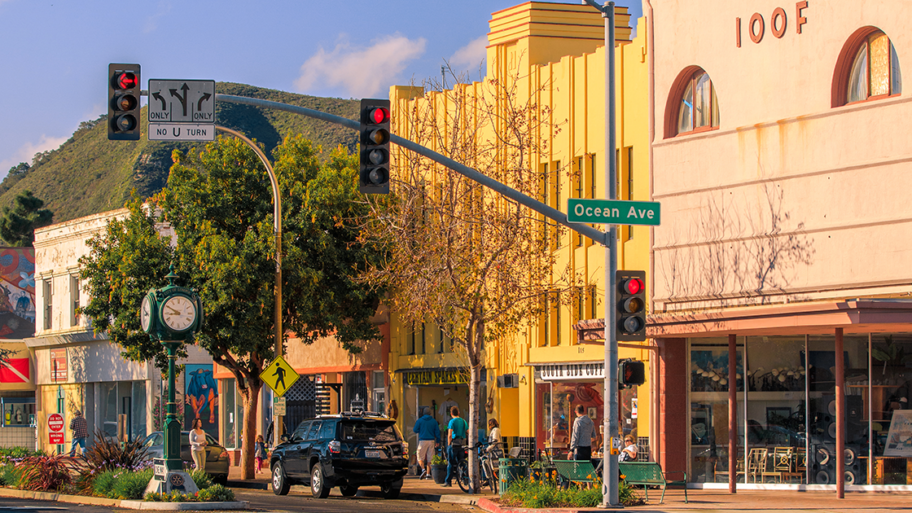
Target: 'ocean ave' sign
613, 211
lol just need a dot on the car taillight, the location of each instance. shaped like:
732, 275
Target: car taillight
335, 447
405, 449
223, 455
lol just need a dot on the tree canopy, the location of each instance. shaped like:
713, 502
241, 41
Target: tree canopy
214, 222
17, 224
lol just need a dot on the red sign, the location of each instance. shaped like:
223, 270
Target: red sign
15, 370
59, 365
55, 428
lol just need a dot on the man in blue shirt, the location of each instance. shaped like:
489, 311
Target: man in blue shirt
428, 437
457, 430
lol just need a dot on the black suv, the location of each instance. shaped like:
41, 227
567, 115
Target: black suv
348, 450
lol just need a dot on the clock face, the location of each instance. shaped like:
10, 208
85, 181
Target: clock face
145, 314
178, 313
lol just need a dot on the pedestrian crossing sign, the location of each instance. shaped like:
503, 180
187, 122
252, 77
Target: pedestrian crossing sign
279, 376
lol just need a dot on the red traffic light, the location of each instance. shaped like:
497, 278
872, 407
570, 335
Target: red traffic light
633, 286
378, 115
126, 80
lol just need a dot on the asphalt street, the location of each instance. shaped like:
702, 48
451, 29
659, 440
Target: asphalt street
295, 501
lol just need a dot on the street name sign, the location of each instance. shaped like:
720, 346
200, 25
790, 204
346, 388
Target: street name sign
279, 376
613, 211
181, 110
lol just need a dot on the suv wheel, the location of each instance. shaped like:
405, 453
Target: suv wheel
391, 490
280, 485
318, 484
348, 490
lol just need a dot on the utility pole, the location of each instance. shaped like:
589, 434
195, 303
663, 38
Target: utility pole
610, 463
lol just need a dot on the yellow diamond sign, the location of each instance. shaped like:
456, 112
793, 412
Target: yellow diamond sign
279, 376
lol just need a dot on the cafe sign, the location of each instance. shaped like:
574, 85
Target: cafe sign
436, 377
572, 371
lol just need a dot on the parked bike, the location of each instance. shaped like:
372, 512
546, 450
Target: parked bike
487, 455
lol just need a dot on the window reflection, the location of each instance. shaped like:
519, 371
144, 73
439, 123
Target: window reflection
699, 106
875, 70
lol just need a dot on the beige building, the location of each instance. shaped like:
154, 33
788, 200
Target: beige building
779, 158
76, 369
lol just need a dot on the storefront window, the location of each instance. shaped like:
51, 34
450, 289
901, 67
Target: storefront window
709, 385
18, 412
557, 402
230, 424
889, 402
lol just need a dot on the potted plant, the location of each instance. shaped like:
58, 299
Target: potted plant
439, 469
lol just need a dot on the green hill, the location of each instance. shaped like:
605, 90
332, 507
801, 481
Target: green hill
90, 174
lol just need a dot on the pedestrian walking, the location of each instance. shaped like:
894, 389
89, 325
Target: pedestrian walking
456, 439
581, 438
259, 452
428, 432
198, 444
80, 430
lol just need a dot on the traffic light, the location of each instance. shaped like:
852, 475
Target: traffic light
631, 305
375, 138
631, 373
123, 102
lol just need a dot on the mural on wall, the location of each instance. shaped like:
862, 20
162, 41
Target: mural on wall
17, 310
201, 397
17, 293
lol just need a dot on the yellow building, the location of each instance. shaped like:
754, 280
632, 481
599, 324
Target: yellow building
555, 54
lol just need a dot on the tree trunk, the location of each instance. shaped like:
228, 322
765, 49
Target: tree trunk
474, 386
249, 433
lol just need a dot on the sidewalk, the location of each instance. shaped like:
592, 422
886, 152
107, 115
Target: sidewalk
755, 501
412, 489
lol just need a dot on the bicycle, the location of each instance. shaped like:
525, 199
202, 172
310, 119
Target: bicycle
488, 476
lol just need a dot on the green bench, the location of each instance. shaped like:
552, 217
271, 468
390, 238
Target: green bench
576, 471
648, 474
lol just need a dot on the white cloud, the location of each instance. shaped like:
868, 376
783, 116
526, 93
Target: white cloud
28, 150
152, 21
363, 72
470, 56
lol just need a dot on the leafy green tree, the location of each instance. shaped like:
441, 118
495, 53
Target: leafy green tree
17, 226
218, 203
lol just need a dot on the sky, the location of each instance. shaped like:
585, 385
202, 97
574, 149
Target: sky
54, 54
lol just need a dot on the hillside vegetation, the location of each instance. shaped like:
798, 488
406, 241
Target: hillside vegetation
89, 174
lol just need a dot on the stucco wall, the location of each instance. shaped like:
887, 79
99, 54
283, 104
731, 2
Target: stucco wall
789, 199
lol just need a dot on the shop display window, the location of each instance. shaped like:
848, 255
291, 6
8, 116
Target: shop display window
556, 407
18, 412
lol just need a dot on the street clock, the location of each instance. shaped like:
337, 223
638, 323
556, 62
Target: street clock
171, 312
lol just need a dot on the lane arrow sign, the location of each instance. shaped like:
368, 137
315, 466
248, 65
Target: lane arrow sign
182, 99
199, 104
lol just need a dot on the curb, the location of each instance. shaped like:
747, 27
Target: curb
58, 497
184, 506
493, 507
468, 500
253, 485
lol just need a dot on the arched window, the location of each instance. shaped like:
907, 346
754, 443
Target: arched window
875, 70
696, 102
868, 67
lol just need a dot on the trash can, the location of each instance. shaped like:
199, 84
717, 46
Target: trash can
511, 469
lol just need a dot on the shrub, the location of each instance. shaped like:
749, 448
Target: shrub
103, 483
131, 485
201, 479
548, 493
14, 454
216, 493
45, 473
107, 454
438, 460
9, 476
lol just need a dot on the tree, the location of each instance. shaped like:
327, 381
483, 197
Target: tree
479, 266
218, 203
17, 225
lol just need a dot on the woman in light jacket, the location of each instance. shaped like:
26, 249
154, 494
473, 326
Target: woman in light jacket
198, 444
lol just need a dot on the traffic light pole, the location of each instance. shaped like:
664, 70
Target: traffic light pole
611, 471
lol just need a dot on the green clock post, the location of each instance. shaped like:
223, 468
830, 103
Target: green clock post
172, 315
